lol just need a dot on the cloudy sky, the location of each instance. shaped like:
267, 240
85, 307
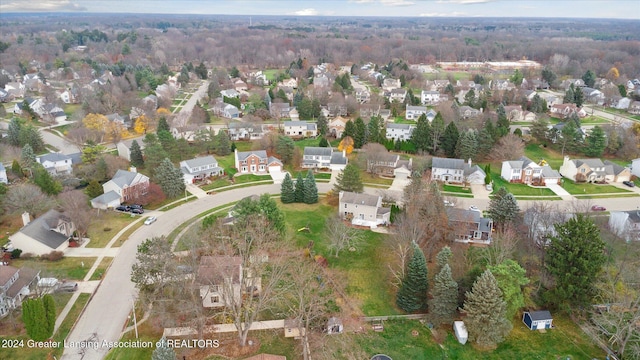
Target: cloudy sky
622, 9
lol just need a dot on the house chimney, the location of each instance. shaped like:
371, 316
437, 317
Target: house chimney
469, 161
133, 169
26, 218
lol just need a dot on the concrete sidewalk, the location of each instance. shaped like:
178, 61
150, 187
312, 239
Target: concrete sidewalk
560, 191
195, 190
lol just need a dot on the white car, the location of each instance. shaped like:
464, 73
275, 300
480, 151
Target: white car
473, 208
150, 220
449, 203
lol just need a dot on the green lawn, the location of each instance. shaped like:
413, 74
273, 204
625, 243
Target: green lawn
518, 189
368, 178
455, 189
587, 188
105, 226
67, 268
325, 176
101, 269
242, 179
537, 152
271, 74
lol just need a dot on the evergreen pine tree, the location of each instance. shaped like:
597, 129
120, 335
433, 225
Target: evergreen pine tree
360, 137
94, 189
13, 133
349, 180
45, 181
222, 143
50, 313
450, 139
570, 95
35, 319
412, 295
467, 147
443, 257
310, 189
170, 179
578, 97
323, 142
444, 297
421, 135
163, 125
300, 188
486, 310
374, 129
16, 168
27, 157
503, 208
287, 190
233, 146
163, 351
502, 125
322, 125
485, 142
596, 142
349, 129
136, 154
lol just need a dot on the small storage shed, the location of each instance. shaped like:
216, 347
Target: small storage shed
334, 326
537, 320
461, 332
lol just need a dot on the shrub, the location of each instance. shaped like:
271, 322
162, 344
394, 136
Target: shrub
15, 254
54, 255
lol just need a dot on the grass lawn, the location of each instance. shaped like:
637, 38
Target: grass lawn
242, 179
401, 120
518, 189
588, 188
325, 176
368, 282
368, 178
69, 268
455, 189
101, 269
271, 74
146, 333
105, 226
537, 152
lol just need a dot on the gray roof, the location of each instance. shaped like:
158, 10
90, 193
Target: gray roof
106, 198
617, 169
468, 170
273, 159
243, 155
41, 229
592, 163
540, 315
463, 215
296, 123
445, 163
199, 161
399, 126
359, 199
25, 277
215, 169
549, 173
416, 108
1, 166
338, 159
53, 157
318, 151
123, 177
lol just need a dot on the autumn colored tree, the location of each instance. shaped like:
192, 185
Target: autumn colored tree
346, 144
142, 124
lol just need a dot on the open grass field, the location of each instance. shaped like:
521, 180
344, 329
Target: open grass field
67, 268
105, 226
593, 189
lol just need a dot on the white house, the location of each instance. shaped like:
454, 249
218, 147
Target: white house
49, 232
456, 171
239, 130
399, 131
56, 163
398, 95
363, 209
200, 168
389, 84
124, 148
230, 93
124, 186
525, 171
430, 97
3, 174
594, 170
300, 129
414, 112
625, 224
223, 281
15, 286
323, 158
256, 162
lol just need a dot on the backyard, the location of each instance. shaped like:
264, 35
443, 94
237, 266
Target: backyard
67, 268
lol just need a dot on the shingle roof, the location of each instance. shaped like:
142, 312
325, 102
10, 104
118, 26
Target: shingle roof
318, 151
243, 155
338, 159
445, 163
399, 126
199, 161
359, 199
106, 198
213, 270
540, 315
6, 273
123, 177
416, 108
617, 169
41, 229
25, 277
53, 157
549, 173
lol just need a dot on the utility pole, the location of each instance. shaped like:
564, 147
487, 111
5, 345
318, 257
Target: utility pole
135, 321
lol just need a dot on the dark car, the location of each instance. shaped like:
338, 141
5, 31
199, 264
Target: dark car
629, 183
136, 206
123, 208
598, 208
137, 211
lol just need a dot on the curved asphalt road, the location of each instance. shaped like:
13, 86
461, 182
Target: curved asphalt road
107, 313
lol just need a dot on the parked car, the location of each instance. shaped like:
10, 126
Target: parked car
598, 208
68, 287
137, 211
474, 208
150, 220
629, 183
449, 203
136, 206
123, 208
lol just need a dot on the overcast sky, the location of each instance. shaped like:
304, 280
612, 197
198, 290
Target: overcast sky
621, 9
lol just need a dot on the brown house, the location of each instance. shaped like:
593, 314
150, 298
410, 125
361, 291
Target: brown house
255, 162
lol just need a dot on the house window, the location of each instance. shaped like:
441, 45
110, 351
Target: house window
345, 206
215, 299
583, 170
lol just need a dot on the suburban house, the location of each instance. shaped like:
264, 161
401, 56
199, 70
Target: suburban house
363, 95
564, 111
592, 95
279, 110
34, 104
625, 224
49, 232
386, 164
398, 95
618, 102
337, 109
336, 126
467, 112
240, 130
200, 168
124, 186
594, 170
221, 279
124, 148
300, 129
550, 99
56, 163
502, 85
15, 286
363, 209
634, 108
566, 84
465, 84
456, 171
256, 162
399, 131
389, 84
430, 97
323, 158
229, 93
15, 89
225, 110
291, 82
119, 119
525, 171
3, 174
538, 320
541, 225
469, 226
414, 112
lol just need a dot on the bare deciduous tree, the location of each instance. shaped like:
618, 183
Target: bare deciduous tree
375, 154
29, 198
508, 147
341, 236
75, 205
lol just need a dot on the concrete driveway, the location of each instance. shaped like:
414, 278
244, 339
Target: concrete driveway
560, 191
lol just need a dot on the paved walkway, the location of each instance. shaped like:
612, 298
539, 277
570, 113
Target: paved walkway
91, 252
560, 191
197, 191
223, 328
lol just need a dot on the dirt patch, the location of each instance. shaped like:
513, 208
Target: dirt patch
229, 348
